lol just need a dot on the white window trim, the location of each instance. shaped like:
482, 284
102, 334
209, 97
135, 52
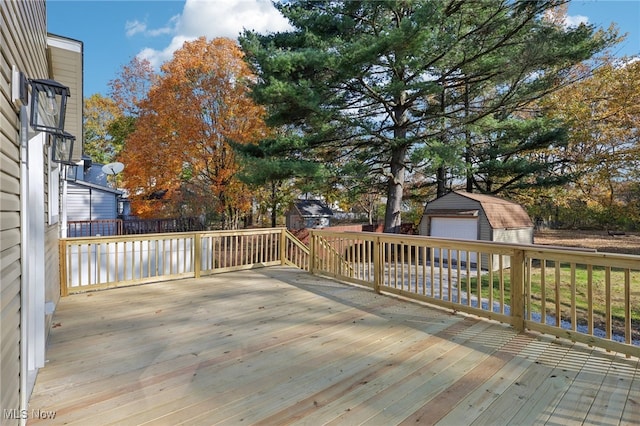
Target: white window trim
54, 191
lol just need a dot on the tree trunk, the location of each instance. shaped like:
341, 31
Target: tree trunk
467, 139
441, 181
395, 186
442, 172
274, 205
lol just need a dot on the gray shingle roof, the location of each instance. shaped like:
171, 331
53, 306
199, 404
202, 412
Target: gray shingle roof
313, 208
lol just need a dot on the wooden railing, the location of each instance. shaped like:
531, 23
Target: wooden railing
104, 262
588, 297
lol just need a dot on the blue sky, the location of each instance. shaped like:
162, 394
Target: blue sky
113, 32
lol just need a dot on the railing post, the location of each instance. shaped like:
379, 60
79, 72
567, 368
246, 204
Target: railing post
517, 289
378, 268
62, 253
312, 252
197, 254
283, 246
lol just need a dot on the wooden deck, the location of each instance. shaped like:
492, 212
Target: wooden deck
280, 346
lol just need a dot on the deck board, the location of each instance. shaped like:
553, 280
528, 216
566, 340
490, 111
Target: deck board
280, 346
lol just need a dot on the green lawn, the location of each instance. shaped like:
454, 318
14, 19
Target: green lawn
617, 281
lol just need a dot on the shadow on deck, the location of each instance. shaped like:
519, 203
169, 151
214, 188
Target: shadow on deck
280, 346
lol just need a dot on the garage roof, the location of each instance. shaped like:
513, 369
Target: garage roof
500, 213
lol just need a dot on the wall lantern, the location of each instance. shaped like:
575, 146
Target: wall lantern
62, 148
48, 105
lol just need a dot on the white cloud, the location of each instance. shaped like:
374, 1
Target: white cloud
213, 18
158, 57
575, 21
137, 27
134, 27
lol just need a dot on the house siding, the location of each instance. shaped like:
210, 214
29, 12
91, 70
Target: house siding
22, 44
66, 63
514, 236
86, 203
457, 202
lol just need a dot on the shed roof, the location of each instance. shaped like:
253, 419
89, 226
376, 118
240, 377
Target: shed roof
313, 208
500, 213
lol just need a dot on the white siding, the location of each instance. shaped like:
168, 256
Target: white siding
514, 236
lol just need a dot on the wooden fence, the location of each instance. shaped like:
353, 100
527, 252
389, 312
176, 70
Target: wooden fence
588, 297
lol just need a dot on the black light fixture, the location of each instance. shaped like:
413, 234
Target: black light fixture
62, 147
48, 105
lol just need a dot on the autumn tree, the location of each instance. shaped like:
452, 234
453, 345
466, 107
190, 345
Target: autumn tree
381, 81
99, 115
132, 85
602, 113
179, 157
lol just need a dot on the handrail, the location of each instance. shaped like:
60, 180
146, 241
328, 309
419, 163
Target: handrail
528, 286
334, 260
295, 253
93, 263
588, 297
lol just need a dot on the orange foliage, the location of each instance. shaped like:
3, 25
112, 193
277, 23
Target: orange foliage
132, 85
181, 141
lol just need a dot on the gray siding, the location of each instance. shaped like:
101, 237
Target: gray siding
454, 201
77, 203
23, 44
87, 203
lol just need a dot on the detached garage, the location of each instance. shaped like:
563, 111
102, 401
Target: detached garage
470, 216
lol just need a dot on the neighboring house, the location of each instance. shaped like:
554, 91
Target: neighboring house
308, 214
90, 197
87, 201
471, 216
30, 196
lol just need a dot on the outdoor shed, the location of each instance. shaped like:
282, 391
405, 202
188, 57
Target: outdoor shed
88, 201
481, 217
308, 214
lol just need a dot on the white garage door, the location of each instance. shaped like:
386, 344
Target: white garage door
454, 227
